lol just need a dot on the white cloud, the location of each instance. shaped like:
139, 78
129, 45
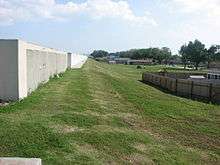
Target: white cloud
33, 10
203, 14
190, 20
107, 8
207, 7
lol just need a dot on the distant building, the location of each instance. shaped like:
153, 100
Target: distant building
112, 62
122, 60
128, 61
141, 62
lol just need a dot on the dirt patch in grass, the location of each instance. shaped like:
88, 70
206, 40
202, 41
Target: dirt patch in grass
86, 148
140, 147
92, 152
106, 128
66, 128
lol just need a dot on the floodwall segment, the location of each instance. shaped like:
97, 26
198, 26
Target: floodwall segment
69, 55
37, 64
43, 65
78, 60
9, 89
23, 66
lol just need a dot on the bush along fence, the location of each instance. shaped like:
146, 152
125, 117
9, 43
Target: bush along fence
185, 87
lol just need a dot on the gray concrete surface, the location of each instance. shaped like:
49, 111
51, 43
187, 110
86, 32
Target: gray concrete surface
20, 161
69, 55
9, 69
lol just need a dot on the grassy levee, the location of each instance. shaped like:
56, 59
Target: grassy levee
102, 114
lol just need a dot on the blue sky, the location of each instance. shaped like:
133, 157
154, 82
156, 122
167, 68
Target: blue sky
113, 25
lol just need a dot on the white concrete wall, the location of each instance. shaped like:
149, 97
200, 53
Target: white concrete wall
20, 161
43, 63
69, 60
9, 88
23, 66
78, 60
22, 69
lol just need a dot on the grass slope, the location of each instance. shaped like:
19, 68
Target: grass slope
102, 114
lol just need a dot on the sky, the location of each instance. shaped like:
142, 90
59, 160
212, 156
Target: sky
82, 26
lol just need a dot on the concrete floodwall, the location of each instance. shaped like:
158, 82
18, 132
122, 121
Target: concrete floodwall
43, 65
20, 161
8, 70
78, 60
184, 87
23, 66
69, 55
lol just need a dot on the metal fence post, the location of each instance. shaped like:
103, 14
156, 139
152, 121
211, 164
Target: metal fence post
192, 86
165, 83
176, 86
210, 91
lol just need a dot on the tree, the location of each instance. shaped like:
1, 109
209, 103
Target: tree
156, 54
166, 54
99, 54
217, 54
211, 53
195, 52
184, 55
175, 59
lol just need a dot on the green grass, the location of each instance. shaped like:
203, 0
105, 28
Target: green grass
102, 114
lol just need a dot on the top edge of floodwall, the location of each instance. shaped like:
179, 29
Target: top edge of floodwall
36, 46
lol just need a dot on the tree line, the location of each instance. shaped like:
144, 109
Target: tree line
192, 53
157, 54
196, 53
